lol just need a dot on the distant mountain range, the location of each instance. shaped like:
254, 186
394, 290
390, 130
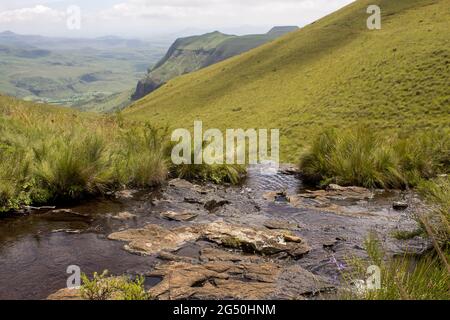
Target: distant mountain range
196, 52
89, 74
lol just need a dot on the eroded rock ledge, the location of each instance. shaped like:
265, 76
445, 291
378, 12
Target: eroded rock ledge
225, 275
152, 239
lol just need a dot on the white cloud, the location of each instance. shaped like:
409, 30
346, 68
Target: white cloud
147, 17
220, 11
38, 12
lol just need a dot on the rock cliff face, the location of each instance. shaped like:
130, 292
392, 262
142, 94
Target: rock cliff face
193, 53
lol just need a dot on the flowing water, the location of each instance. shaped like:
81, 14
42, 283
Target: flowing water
37, 248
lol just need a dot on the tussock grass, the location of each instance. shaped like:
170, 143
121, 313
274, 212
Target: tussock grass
404, 278
52, 154
436, 222
365, 158
218, 174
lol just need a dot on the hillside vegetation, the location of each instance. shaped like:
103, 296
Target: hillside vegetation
193, 53
50, 154
333, 73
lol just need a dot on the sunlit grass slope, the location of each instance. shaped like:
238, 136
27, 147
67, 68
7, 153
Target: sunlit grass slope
50, 154
332, 73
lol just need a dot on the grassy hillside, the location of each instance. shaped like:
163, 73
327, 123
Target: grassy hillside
332, 73
193, 53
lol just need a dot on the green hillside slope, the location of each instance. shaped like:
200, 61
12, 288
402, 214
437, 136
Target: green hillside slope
332, 73
193, 53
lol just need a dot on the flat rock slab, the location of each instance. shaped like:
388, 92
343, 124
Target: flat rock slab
336, 192
281, 225
179, 216
153, 239
225, 275
257, 240
123, 216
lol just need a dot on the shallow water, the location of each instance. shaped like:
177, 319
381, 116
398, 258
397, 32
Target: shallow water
36, 249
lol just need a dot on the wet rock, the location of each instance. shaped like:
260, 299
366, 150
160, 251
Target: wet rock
153, 239
400, 205
123, 216
215, 204
224, 275
336, 192
255, 240
66, 215
281, 225
329, 244
276, 196
181, 184
66, 294
289, 169
194, 201
125, 194
70, 231
179, 216
312, 201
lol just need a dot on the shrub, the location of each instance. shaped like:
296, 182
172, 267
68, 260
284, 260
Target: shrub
103, 287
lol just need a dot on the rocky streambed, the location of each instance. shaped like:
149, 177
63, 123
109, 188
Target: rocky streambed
268, 239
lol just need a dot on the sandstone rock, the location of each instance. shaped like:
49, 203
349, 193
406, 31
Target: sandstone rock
124, 216
336, 192
152, 239
261, 241
281, 225
224, 275
125, 194
179, 216
66, 294
181, 184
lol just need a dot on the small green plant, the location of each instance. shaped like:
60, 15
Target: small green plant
104, 287
402, 278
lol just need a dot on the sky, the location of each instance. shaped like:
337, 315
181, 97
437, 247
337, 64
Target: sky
150, 18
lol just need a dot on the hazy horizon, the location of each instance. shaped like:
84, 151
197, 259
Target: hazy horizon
154, 18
